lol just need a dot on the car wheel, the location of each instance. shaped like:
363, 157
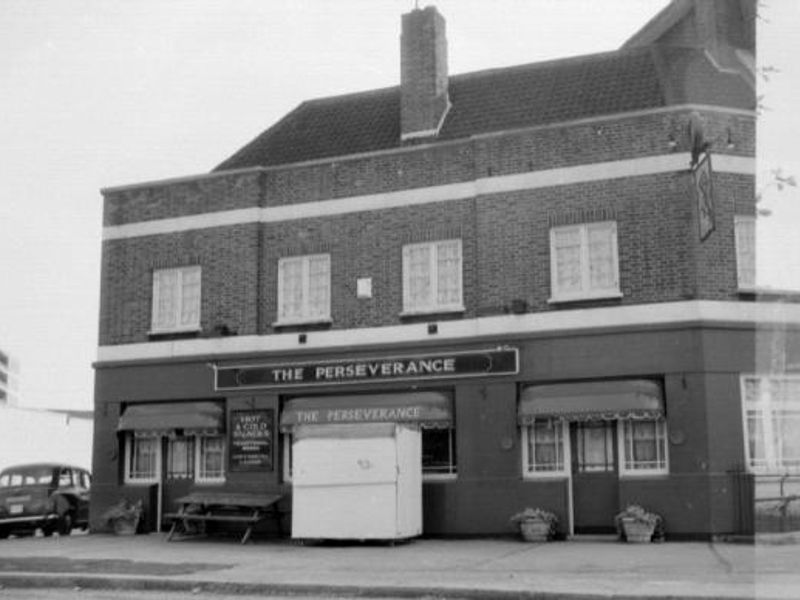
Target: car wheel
4, 533
47, 530
65, 524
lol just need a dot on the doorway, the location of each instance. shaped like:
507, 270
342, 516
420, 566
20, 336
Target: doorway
595, 475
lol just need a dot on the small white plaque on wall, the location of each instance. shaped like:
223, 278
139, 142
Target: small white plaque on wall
364, 287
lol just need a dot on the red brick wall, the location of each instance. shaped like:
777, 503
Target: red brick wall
505, 236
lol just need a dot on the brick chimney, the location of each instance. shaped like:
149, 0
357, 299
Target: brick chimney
423, 74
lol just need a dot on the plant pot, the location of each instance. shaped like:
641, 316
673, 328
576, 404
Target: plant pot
125, 526
638, 532
534, 530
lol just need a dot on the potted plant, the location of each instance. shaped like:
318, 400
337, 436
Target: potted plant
124, 517
637, 525
535, 524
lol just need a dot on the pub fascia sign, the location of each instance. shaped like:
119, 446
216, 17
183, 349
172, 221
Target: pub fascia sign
482, 363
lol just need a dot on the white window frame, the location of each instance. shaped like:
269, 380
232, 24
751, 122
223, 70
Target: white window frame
745, 229
586, 292
156, 319
199, 475
772, 463
566, 468
130, 478
662, 446
306, 315
432, 304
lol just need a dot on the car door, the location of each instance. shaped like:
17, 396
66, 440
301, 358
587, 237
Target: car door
82, 489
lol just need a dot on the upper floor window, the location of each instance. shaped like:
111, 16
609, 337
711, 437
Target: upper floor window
745, 251
176, 299
304, 289
583, 261
772, 423
432, 277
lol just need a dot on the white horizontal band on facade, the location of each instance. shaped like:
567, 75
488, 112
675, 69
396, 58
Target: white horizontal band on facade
503, 326
637, 167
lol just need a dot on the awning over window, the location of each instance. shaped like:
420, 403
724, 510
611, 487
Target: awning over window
605, 400
192, 417
429, 409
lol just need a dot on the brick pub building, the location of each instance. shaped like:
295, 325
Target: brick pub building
548, 269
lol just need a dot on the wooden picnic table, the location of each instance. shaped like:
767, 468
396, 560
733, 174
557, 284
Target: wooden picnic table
198, 508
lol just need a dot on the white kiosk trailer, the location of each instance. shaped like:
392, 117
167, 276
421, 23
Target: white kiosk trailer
357, 464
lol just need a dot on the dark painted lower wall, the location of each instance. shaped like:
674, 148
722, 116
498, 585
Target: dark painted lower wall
701, 496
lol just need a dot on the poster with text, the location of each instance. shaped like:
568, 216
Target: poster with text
251, 440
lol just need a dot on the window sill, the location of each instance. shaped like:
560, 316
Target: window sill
141, 481
438, 477
163, 333
298, 322
546, 476
606, 295
209, 481
643, 474
434, 310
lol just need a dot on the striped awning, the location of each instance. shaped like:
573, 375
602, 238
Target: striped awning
592, 400
166, 417
427, 409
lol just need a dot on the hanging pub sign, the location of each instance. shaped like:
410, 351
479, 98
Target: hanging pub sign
704, 192
250, 440
500, 361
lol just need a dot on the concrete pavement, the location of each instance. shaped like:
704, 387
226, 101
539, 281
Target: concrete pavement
476, 568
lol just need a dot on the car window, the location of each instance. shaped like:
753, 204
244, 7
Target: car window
86, 480
65, 478
27, 476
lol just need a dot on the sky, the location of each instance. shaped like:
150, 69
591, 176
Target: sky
101, 93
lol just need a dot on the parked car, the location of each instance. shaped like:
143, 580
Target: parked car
50, 496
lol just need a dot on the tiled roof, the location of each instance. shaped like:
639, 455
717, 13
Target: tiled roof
502, 99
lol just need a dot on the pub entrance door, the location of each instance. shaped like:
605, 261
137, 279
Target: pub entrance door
595, 479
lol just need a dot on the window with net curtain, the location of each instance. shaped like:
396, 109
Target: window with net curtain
304, 284
432, 280
176, 299
772, 423
583, 261
143, 458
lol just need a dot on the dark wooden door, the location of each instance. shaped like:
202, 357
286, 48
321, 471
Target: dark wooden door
595, 480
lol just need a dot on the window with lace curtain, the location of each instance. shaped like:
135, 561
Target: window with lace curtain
304, 289
176, 300
644, 447
432, 279
544, 448
583, 261
772, 423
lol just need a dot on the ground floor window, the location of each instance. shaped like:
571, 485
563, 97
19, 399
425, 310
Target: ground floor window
200, 458
772, 423
143, 458
544, 448
438, 452
644, 446
211, 458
